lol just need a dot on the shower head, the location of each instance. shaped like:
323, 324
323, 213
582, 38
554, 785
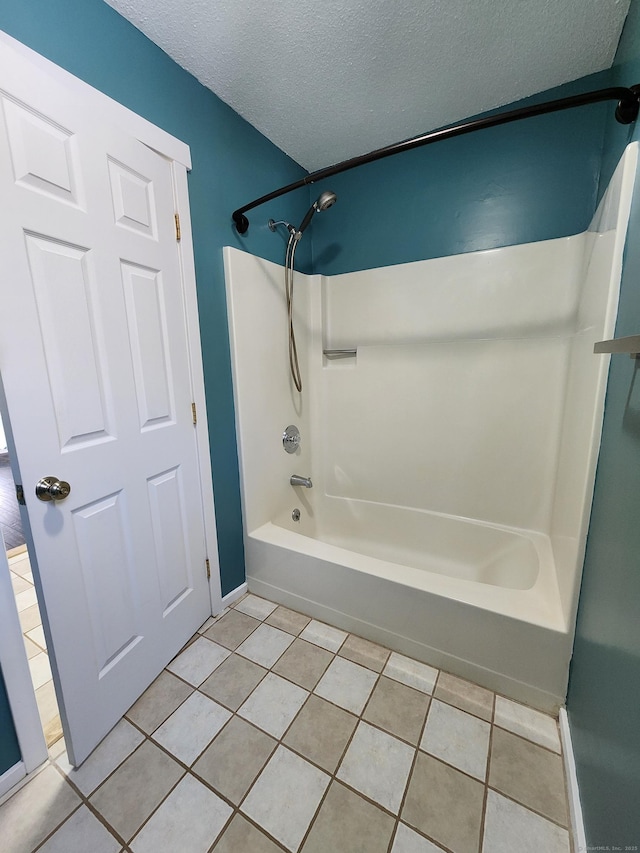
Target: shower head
323, 202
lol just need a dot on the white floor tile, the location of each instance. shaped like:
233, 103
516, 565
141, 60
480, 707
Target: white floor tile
457, 738
196, 663
191, 728
255, 606
527, 722
265, 645
408, 841
121, 741
377, 765
273, 704
286, 796
37, 635
40, 669
190, 819
411, 672
509, 826
19, 583
324, 635
47, 796
26, 599
81, 833
347, 684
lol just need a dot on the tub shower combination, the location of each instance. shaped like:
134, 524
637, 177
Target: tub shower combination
449, 427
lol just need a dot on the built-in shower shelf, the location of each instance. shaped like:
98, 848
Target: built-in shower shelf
629, 345
340, 353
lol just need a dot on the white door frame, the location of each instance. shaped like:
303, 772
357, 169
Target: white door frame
27, 64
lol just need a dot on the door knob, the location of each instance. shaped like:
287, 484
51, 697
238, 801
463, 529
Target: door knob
52, 489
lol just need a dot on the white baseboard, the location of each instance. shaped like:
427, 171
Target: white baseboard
234, 595
575, 809
11, 777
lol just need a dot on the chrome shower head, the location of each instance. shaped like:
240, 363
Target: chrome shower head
324, 201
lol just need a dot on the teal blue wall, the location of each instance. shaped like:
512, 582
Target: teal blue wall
232, 163
518, 183
9, 748
604, 688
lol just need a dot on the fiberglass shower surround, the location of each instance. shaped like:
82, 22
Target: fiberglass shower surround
452, 448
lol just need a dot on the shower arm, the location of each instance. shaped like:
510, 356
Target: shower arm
626, 113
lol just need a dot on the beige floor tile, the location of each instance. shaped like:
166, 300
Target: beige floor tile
36, 810
190, 819
287, 779
235, 758
398, 709
458, 738
19, 583
26, 599
232, 629
321, 732
47, 702
242, 837
273, 704
121, 741
531, 724
465, 695
444, 804
31, 648
347, 684
158, 702
288, 620
364, 652
346, 821
21, 565
30, 618
233, 681
196, 663
255, 606
40, 669
529, 774
137, 787
192, 727
81, 833
265, 645
36, 635
377, 765
303, 663
509, 826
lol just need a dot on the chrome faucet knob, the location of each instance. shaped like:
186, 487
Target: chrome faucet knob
291, 439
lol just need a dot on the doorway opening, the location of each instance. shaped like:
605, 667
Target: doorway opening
12, 533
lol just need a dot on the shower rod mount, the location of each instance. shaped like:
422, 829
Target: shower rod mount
626, 112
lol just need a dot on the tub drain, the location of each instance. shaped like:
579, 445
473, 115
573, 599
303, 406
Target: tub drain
295, 515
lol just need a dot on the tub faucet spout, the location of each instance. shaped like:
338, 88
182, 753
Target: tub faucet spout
296, 480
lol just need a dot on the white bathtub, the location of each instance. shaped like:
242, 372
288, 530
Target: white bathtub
454, 593
453, 458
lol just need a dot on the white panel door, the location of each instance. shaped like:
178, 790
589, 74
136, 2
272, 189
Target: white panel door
94, 360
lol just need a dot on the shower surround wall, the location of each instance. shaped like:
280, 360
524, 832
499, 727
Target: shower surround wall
452, 458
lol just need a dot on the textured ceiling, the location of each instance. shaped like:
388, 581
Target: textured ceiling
328, 79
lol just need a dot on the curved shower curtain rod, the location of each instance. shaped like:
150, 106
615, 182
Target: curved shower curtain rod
626, 112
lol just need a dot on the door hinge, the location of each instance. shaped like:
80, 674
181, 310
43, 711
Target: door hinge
177, 220
208, 569
194, 413
20, 495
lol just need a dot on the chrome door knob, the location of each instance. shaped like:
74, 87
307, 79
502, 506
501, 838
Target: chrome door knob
52, 489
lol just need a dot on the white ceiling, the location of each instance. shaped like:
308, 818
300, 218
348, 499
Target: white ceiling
329, 79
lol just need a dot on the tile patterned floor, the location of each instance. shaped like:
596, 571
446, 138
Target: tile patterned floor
10, 524
272, 732
35, 644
